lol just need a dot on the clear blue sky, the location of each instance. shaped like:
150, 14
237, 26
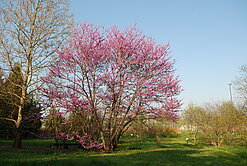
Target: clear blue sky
208, 37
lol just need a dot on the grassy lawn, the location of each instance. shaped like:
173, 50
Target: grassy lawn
131, 151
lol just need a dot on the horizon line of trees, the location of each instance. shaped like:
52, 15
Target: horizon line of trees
216, 123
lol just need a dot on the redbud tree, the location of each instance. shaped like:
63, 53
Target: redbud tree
112, 77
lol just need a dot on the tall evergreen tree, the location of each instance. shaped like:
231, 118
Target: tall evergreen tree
9, 98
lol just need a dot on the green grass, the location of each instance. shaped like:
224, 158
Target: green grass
131, 152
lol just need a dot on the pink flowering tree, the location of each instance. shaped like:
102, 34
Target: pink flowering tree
112, 78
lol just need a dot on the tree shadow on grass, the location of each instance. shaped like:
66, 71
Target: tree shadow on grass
158, 157
176, 157
167, 154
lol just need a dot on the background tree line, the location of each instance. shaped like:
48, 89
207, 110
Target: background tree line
220, 122
216, 123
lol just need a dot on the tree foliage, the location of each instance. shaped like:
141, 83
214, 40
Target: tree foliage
151, 128
30, 31
8, 108
217, 123
196, 119
110, 78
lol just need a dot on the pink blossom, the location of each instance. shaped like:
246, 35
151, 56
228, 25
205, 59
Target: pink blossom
116, 76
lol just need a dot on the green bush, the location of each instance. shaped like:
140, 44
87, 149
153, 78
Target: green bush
151, 129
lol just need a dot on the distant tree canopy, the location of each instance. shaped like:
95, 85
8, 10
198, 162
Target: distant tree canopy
216, 123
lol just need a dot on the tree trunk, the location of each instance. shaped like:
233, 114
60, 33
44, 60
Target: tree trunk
18, 139
114, 144
108, 144
18, 133
195, 138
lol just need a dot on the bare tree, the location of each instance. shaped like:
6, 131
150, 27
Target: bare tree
241, 84
30, 32
196, 120
217, 123
225, 123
